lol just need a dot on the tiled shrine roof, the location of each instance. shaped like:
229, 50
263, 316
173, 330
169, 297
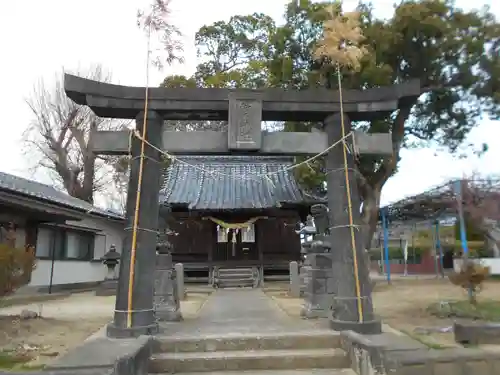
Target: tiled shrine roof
45, 193
230, 182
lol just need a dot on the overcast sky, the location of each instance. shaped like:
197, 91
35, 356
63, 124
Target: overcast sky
39, 38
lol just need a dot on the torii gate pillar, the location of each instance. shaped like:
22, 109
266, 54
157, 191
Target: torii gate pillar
352, 308
141, 272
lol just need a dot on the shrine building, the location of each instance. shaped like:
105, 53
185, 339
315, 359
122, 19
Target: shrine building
233, 212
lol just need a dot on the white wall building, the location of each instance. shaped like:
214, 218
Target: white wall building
79, 247
70, 235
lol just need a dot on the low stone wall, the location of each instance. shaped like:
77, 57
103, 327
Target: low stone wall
105, 356
444, 362
390, 354
368, 353
476, 333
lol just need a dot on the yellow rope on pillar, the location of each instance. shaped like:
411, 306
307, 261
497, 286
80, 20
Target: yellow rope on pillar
138, 194
349, 203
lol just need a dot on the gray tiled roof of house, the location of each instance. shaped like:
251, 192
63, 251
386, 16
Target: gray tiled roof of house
230, 182
46, 193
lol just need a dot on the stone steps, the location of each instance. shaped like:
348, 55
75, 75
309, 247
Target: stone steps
235, 277
242, 283
280, 372
248, 360
283, 353
283, 341
232, 271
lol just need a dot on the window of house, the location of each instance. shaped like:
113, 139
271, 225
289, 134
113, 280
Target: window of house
43, 243
63, 244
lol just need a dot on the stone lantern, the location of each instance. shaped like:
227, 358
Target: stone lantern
110, 283
163, 244
319, 285
166, 298
111, 260
307, 230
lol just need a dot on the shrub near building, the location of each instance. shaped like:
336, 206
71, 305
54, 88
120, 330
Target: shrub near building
16, 264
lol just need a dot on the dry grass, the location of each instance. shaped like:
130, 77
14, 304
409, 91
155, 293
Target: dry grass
65, 324
404, 306
35, 342
341, 39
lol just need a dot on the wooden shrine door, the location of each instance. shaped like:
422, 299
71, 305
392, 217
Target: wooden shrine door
236, 245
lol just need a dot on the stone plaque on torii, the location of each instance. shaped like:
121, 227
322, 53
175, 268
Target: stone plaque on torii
244, 110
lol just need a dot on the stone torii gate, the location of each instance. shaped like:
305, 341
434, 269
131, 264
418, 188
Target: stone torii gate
244, 110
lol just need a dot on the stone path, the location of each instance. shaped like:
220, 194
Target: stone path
237, 312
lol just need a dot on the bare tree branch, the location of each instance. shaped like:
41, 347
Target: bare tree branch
155, 21
481, 206
58, 139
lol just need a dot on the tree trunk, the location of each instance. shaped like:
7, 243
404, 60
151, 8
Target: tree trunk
495, 250
89, 158
369, 215
492, 238
371, 188
87, 191
472, 295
